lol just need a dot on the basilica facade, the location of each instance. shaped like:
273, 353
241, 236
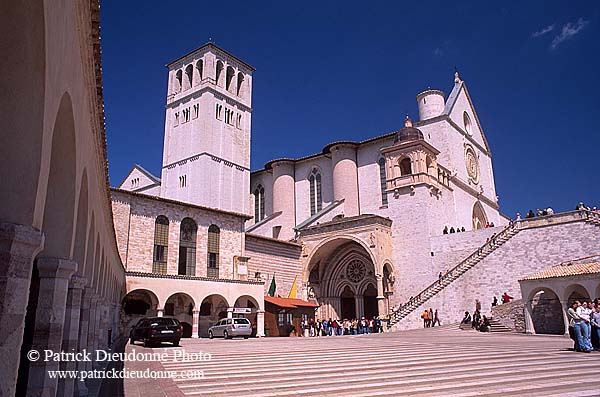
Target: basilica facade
354, 226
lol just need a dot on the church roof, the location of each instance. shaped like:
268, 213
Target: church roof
566, 269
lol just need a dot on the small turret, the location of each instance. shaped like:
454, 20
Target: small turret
431, 104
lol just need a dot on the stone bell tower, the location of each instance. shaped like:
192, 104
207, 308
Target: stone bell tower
206, 159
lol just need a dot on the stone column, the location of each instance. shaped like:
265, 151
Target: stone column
18, 246
195, 321
359, 306
380, 297
260, 323
70, 343
565, 306
92, 324
84, 321
529, 329
160, 312
54, 274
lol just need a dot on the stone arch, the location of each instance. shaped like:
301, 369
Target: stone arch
247, 301
546, 311
369, 296
405, 164
140, 302
178, 81
188, 78
342, 261
229, 78
219, 73
59, 205
181, 306
81, 225
480, 219
240, 84
199, 72
23, 70
575, 292
334, 240
212, 308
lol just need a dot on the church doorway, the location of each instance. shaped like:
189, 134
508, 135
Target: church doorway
348, 304
370, 301
341, 280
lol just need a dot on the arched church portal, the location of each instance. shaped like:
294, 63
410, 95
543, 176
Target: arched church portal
341, 278
479, 217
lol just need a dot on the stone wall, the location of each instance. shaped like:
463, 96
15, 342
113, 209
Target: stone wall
511, 315
530, 250
135, 216
271, 257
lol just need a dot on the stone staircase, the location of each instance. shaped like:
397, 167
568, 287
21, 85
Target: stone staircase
490, 246
496, 326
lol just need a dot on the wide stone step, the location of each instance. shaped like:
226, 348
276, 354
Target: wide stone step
412, 384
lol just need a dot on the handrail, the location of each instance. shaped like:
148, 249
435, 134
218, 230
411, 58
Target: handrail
516, 225
490, 243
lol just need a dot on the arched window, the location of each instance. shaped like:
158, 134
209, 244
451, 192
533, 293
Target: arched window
479, 217
187, 247
316, 197
259, 203
189, 76
229, 78
199, 71
382, 181
240, 82
405, 167
219, 72
212, 264
467, 122
178, 80
161, 244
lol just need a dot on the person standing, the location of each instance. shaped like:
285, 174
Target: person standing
430, 317
586, 329
595, 320
575, 321
495, 302
425, 317
436, 319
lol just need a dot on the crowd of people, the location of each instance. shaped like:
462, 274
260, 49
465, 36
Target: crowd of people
549, 211
584, 325
336, 327
478, 321
430, 318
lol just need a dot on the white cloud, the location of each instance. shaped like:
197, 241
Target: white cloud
542, 32
438, 52
569, 30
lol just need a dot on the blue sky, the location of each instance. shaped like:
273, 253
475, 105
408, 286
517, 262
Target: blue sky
330, 71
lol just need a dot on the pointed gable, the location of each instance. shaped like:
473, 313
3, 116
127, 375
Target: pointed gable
140, 180
460, 110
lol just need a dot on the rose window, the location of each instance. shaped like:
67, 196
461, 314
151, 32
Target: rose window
355, 271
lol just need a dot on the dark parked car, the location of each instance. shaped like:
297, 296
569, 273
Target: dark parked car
155, 330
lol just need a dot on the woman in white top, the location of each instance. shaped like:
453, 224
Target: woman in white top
586, 329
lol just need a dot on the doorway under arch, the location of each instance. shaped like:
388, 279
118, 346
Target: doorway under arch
336, 277
348, 304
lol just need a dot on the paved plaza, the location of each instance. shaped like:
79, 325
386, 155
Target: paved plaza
431, 362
